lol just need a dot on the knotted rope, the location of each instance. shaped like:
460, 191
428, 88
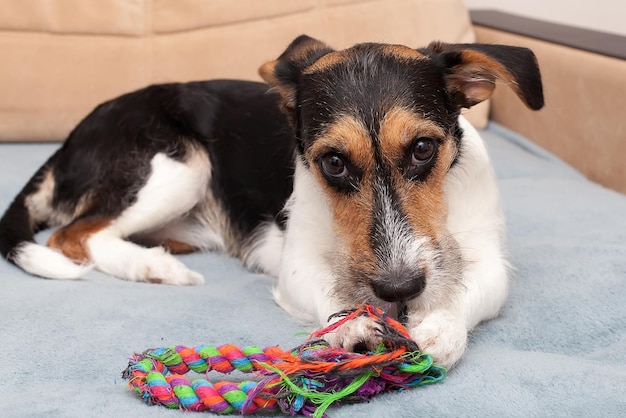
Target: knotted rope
305, 380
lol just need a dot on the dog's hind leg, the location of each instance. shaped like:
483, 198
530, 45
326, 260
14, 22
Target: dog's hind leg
173, 188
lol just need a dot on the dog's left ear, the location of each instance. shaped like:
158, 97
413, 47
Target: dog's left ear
283, 74
471, 70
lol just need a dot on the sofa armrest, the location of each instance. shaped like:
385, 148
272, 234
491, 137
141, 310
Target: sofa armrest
584, 75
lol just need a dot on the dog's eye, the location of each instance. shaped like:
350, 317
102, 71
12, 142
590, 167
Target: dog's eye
418, 163
339, 172
334, 166
423, 150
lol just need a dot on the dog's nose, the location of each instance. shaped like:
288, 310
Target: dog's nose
397, 288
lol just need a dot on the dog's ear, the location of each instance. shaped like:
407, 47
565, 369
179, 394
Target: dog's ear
283, 74
471, 71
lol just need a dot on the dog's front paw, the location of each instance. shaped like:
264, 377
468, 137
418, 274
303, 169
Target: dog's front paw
358, 335
440, 334
161, 267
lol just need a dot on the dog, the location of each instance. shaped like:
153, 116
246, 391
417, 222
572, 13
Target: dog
350, 176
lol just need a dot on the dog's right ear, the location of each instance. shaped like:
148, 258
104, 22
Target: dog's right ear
283, 74
471, 71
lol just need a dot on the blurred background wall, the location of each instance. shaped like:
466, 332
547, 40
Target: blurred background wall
601, 15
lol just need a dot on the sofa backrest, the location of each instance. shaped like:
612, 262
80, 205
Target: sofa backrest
61, 58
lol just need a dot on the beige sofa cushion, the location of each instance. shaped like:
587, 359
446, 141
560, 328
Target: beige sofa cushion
582, 121
99, 17
183, 15
63, 57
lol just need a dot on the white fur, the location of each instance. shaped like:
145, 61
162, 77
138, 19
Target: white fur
173, 188
38, 259
45, 262
403, 248
193, 230
206, 228
305, 281
267, 251
475, 219
360, 330
439, 333
39, 204
123, 259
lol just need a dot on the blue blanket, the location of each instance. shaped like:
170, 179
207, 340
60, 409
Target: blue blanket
557, 349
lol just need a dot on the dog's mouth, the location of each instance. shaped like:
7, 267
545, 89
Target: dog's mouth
402, 314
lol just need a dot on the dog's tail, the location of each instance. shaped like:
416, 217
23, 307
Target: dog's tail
29, 212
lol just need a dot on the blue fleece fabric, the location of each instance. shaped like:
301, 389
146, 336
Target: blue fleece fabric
557, 349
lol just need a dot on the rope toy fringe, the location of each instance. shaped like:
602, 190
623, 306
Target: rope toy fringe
305, 380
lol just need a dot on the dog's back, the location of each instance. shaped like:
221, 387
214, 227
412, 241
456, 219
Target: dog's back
232, 130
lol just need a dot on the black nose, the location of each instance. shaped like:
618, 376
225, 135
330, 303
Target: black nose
394, 288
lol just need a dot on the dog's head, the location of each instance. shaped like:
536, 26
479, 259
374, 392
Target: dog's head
377, 126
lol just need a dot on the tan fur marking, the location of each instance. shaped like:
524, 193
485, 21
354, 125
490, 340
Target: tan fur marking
267, 73
287, 93
353, 216
349, 137
299, 53
402, 52
399, 128
352, 213
424, 202
476, 77
177, 247
305, 48
71, 239
327, 61
84, 204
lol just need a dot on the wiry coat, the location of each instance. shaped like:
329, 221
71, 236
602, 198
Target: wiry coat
353, 179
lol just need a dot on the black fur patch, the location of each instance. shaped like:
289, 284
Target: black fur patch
367, 84
107, 156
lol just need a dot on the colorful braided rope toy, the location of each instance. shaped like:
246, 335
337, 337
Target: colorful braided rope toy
305, 380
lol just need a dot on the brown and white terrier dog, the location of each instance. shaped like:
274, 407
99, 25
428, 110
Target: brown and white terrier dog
350, 176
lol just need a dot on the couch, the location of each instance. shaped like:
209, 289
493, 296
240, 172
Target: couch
557, 349
59, 61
